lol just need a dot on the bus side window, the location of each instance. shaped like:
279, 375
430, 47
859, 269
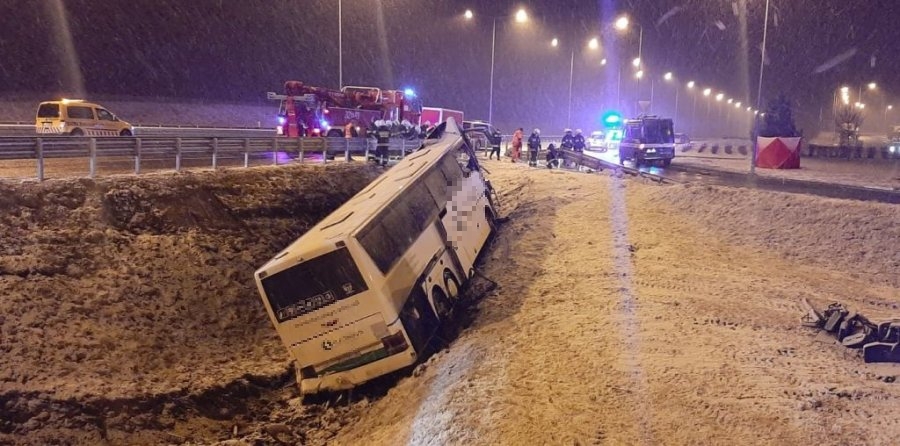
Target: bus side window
437, 185
450, 168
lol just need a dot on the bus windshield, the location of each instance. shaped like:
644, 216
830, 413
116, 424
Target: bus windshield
313, 284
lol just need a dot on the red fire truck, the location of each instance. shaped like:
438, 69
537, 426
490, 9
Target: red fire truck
315, 111
435, 115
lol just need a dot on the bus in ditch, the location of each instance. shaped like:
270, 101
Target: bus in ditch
362, 292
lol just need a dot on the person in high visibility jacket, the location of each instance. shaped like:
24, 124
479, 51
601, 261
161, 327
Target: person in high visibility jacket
517, 144
383, 140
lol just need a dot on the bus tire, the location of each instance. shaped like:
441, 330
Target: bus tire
77, 132
125, 132
451, 285
335, 133
442, 304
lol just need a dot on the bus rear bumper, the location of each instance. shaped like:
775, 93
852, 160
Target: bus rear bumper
349, 379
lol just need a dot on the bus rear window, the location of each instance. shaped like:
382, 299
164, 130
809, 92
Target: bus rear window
48, 111
313, 284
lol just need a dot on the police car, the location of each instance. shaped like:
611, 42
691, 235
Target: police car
76, 117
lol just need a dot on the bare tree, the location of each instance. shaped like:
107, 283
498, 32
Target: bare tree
847, 121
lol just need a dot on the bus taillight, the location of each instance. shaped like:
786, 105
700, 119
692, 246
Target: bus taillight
394, 343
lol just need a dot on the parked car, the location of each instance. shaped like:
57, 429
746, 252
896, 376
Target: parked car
612, 139
683, 142
76, 117
482, 134
595, 141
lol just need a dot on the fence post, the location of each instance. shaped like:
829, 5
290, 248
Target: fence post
137, 156
324, 142
300, 149
40, 159
275, 151
347, 150
367, 149
178, 154
92, 156
246, 152
215, 156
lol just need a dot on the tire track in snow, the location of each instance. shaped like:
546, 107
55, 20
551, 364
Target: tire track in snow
627, 305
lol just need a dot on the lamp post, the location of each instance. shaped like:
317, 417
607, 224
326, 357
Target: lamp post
886, 110
706, 93
690, 86
762, 64
521, 17
340, 46
592, 44
622, 24
668, 78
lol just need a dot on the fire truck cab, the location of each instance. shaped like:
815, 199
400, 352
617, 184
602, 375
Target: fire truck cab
648, 139
315, 111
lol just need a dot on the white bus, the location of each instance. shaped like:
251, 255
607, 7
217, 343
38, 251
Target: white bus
361, 293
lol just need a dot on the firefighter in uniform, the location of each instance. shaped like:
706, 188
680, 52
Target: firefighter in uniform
534, 146
578, 141
568, 141
383, 140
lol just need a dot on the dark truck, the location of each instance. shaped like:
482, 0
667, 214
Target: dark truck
648, 140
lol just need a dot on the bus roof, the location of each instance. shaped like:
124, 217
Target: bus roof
352, 216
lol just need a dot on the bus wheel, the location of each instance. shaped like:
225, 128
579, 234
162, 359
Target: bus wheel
441, 304
334, 133
77, 132
125, 132
451, 284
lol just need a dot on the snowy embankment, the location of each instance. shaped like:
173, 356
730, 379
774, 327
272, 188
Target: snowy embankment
626, 313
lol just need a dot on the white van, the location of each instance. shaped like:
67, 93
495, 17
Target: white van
76, 117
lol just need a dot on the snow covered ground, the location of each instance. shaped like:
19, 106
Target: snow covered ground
626, 313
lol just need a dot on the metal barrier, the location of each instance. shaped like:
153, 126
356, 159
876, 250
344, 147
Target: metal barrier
279, 150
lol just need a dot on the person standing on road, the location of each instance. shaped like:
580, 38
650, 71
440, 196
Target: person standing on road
578, 141
568, 140
349, 130
383, 140
517, 143
495, 140
534, 146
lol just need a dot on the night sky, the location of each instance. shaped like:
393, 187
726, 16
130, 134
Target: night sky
235, 51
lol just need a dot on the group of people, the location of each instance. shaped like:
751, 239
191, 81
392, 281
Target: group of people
574, 142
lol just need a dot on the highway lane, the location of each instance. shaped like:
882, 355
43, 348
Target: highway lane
685, 173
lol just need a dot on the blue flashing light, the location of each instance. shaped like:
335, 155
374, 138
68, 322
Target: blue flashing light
410, 92
324, 124
612, 118
282, 120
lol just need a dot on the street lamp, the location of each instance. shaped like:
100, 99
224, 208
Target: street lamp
668, 77
468, 14
592, 44
719, 97
886, 110
521, 17
639, 74
622, 24
762, 65
690, 86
